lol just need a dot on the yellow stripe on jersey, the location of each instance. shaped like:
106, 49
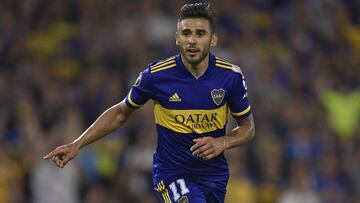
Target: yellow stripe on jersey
160, 187
242, 112
163, 68
166, 60
191, 121
166, 197
223, 66
131, 101
223, 62
165, 193
163, 62
219, 58
162, 65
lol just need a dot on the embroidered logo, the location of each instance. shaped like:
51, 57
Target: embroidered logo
218, 95
175, 98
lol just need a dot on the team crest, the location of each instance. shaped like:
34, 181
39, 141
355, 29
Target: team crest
183, 199
138, 80
218, 95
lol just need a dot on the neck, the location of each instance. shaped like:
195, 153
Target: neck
197, 70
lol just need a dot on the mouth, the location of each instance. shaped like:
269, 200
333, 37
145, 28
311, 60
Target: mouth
192, 51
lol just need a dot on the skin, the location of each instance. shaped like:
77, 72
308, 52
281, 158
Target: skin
194, 38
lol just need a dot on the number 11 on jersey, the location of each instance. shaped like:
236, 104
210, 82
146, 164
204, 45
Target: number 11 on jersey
183, 189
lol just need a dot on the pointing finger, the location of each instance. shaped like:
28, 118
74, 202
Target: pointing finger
51, 154
58, 151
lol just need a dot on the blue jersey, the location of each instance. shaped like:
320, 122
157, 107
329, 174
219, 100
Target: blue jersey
186, 108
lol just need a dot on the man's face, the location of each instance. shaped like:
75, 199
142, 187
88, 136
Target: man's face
194, 39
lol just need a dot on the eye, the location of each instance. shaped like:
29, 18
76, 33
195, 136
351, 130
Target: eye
186, 33
201, 33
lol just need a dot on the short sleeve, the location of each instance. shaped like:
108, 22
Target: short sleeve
238, 99
140, 92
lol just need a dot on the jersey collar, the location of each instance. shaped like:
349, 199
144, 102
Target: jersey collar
186, 71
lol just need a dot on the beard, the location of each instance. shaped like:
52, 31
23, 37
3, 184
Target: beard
197, 58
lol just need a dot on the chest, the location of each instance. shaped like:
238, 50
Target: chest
176, 92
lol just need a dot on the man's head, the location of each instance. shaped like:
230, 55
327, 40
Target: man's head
195, 32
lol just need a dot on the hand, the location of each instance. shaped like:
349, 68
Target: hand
208, 147
63, 154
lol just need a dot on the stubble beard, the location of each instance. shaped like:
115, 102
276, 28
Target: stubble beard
195, 60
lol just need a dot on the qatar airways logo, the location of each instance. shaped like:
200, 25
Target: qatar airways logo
197, 120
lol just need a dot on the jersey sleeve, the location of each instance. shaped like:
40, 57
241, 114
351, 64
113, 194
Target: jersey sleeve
141, 91
238, 100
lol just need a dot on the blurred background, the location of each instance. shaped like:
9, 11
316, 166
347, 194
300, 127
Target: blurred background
62, 63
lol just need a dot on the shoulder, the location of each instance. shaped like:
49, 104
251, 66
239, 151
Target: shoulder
161, 65
150, 73
223, 64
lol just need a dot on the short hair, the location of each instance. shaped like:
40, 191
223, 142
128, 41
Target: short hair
198, 10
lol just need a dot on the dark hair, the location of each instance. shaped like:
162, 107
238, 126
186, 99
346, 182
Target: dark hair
198, 10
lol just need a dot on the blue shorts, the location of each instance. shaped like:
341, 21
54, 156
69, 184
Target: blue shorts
186, 190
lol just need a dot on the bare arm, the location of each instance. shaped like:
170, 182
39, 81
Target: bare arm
110, 120
209, 147
242, 134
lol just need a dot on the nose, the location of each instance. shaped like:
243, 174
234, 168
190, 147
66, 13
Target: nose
192, 39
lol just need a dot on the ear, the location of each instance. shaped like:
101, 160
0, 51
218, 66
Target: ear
214, 39
176, 38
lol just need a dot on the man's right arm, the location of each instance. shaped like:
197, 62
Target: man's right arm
107, 122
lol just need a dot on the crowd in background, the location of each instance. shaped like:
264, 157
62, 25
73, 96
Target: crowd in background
62, 63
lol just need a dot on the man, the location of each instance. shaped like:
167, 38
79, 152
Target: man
192, 93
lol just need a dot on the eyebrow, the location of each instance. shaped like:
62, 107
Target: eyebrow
197, 30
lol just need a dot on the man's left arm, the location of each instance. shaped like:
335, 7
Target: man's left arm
209, 147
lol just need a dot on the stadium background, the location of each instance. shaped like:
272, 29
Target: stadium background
62, 63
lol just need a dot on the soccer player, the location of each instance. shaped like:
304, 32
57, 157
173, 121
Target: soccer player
192, 93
